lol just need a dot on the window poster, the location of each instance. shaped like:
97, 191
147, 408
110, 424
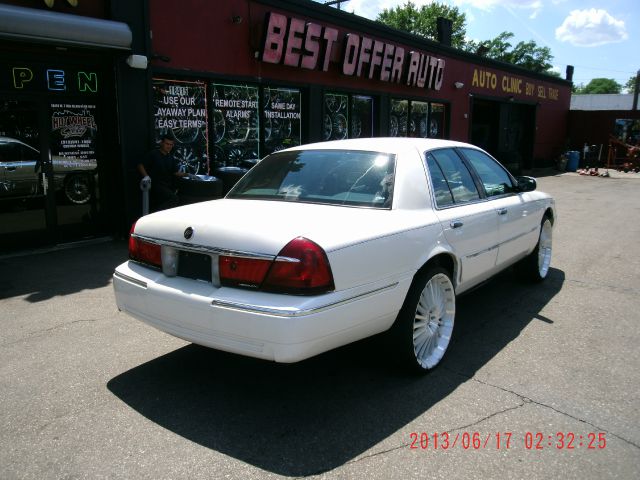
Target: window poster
281, 118
336, 117
361, 116
419, 119
398, 118
180, 110
234, 124
437, 120
74, 133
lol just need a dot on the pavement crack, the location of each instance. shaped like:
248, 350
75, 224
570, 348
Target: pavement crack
406, 444
487, 417
526, 400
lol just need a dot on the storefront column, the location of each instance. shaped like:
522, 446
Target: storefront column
134, 106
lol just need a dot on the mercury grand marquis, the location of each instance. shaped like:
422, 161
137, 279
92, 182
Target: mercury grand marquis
324, 244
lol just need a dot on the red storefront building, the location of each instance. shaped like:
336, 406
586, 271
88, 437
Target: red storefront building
232, 81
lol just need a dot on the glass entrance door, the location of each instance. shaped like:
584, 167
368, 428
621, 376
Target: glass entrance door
73, 137
48, 173
23, 174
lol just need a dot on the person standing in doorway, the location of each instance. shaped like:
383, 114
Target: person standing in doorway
161, 168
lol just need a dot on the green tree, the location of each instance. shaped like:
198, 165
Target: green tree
602, 85
630, 85
423, 21
525, 54
577, 89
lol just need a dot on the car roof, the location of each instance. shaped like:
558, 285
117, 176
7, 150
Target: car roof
11, 140
383, 144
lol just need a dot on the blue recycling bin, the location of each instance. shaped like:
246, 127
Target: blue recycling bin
573, 161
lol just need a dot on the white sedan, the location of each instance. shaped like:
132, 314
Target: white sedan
325, 244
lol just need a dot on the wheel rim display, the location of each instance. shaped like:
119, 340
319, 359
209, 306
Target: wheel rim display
77, 190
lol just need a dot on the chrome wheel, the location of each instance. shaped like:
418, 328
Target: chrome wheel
545, 248
536, 266
433, 320
77, 189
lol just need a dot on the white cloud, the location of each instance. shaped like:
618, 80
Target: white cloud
591, 28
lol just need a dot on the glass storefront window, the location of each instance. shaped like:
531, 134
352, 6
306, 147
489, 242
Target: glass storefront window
347, 116
281, 118
437, 120
417, 119
73, 143
399, 118
627, 130
180, 110
234, 124
335, 120
361, 117
22, 195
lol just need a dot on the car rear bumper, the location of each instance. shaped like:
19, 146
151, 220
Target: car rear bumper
283, 328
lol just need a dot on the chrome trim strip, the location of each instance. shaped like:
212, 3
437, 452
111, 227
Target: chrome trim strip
486, 250
204, 249
129, 279
520, 236
294, 312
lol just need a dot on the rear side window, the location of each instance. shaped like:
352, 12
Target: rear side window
452, 182
495, 179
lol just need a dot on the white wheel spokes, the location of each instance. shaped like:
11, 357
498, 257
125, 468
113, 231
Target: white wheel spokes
433, 323
545, 248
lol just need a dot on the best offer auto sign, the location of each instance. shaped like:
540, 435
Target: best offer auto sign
293, 42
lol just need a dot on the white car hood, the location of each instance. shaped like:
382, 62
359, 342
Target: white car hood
265, 227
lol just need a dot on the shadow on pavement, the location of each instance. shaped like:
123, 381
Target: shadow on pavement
41, 276
313, 416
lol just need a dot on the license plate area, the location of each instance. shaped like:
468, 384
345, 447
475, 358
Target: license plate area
196, 266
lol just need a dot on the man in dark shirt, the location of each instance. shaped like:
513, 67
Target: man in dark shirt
162, 168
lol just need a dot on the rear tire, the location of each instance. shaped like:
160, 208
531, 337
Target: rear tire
535, 267
424, 327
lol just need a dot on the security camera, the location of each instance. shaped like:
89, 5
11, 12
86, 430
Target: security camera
137, 61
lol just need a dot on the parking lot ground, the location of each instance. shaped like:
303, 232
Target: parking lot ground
542, 380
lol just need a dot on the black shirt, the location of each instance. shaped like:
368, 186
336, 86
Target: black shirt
161, 168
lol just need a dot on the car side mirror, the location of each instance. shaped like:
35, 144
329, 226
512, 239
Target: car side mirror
526, 184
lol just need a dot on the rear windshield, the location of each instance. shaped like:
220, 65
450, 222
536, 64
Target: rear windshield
333, 177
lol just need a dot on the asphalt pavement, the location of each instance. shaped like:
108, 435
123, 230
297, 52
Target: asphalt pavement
542, 381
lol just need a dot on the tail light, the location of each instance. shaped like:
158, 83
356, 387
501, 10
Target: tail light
302, 267
143, 251
242, 271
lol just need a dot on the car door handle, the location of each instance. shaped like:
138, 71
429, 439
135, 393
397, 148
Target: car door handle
456, 223
502, 211
10, 169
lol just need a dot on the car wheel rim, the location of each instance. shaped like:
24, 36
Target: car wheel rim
545, 248
78, 190
433, 322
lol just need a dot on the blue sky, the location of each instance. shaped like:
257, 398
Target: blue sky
599, 38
